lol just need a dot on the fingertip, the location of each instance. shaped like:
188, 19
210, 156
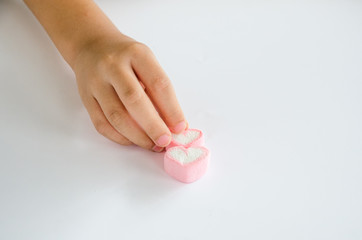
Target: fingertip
157, 149
180, 127
163, 140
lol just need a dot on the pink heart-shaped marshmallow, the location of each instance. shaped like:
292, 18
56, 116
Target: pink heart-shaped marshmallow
186, 164
188, 138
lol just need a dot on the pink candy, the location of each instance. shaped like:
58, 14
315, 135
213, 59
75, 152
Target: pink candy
186, 159
188, 138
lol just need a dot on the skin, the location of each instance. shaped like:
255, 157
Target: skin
127, 94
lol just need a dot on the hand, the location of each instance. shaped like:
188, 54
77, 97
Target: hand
127, 94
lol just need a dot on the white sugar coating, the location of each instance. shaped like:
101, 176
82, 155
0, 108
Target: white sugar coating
183, 157
187, 137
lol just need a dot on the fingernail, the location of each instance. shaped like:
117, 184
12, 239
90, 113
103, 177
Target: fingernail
164, 140
157, 148
180, 127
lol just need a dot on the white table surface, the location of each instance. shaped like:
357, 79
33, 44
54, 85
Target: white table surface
276, 87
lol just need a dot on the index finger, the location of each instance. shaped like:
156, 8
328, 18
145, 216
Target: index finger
160, 90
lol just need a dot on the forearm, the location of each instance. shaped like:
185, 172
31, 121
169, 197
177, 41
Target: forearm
72, 24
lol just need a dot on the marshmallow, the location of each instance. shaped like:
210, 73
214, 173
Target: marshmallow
188, 138
186, 164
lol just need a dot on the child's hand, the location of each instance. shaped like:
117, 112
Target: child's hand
123, 88
127, 94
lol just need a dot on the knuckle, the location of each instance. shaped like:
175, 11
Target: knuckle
160, 83
110, 64
101, 127
174, 115
115, 117
137, 48
107, 60
95, 86
131, 96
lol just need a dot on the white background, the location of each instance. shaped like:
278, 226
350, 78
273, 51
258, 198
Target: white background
275, 86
